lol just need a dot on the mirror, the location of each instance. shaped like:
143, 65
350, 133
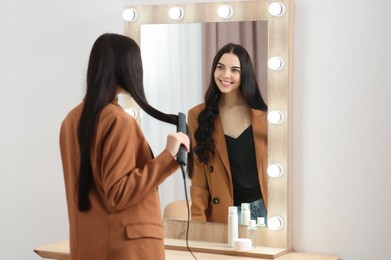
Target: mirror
177, 59
278, 84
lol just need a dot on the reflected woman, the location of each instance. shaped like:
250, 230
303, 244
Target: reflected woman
229, 138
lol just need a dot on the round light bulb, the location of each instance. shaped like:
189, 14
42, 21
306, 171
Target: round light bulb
275, 223
275, 117
277, 9
275, 170
225, 11
132, 111
176, 13
129, 14
276, 63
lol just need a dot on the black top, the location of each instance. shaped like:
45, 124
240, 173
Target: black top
243, 163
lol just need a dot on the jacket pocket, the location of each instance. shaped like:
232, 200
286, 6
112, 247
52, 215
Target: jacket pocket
144, 231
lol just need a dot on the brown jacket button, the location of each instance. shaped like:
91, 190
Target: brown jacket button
211, 168
216, 201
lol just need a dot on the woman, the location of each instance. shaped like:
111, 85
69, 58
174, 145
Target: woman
111, 176
230, 141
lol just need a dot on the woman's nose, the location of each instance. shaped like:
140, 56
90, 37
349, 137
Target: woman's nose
226, 73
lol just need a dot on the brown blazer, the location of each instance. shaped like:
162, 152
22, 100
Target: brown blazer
125, 219
211, 185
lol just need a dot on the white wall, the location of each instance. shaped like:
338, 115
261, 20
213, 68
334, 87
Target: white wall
44, 47
341, 122
341, 139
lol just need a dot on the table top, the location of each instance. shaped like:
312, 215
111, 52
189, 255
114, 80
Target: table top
60, 250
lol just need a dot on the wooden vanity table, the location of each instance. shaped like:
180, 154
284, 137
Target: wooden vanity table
208, 241
60, 251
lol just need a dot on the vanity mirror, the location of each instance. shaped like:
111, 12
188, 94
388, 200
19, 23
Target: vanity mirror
278, 15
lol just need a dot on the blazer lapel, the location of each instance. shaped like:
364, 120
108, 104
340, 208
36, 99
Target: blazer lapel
220, 144
259, 130
259, 124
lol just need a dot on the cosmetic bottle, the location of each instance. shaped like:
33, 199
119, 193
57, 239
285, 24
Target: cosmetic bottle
261, 222
232, 225
245, 214
252, 233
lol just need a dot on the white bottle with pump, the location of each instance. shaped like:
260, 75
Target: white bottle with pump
232, 225
245, 214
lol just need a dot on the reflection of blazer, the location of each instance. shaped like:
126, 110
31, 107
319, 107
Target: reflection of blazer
125, 219
211, 185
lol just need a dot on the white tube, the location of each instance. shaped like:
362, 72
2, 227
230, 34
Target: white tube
245, 214
232, 225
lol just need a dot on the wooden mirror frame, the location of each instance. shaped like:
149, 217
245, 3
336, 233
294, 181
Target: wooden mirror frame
280, 32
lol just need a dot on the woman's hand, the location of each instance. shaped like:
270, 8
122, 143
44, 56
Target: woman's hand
175, 140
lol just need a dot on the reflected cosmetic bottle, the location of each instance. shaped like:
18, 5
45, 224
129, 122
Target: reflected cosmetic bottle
261, 222
252, 233
245, 214
232, 225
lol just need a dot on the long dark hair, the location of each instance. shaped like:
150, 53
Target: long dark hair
249, 88
115, 61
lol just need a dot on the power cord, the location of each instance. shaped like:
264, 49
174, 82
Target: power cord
188, 212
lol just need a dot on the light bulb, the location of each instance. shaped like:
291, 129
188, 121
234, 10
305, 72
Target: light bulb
275, 170
275, 223
132, 111
276, 63
277, 9
225, 11
275, 117
176, 13
129, 14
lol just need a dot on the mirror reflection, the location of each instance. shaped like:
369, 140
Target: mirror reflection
229, 136
177, 78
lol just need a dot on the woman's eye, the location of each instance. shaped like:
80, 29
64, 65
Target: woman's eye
220, 67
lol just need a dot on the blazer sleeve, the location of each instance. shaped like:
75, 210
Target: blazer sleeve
127, 172
199, 190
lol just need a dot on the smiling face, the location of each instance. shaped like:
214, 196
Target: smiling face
227, 73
